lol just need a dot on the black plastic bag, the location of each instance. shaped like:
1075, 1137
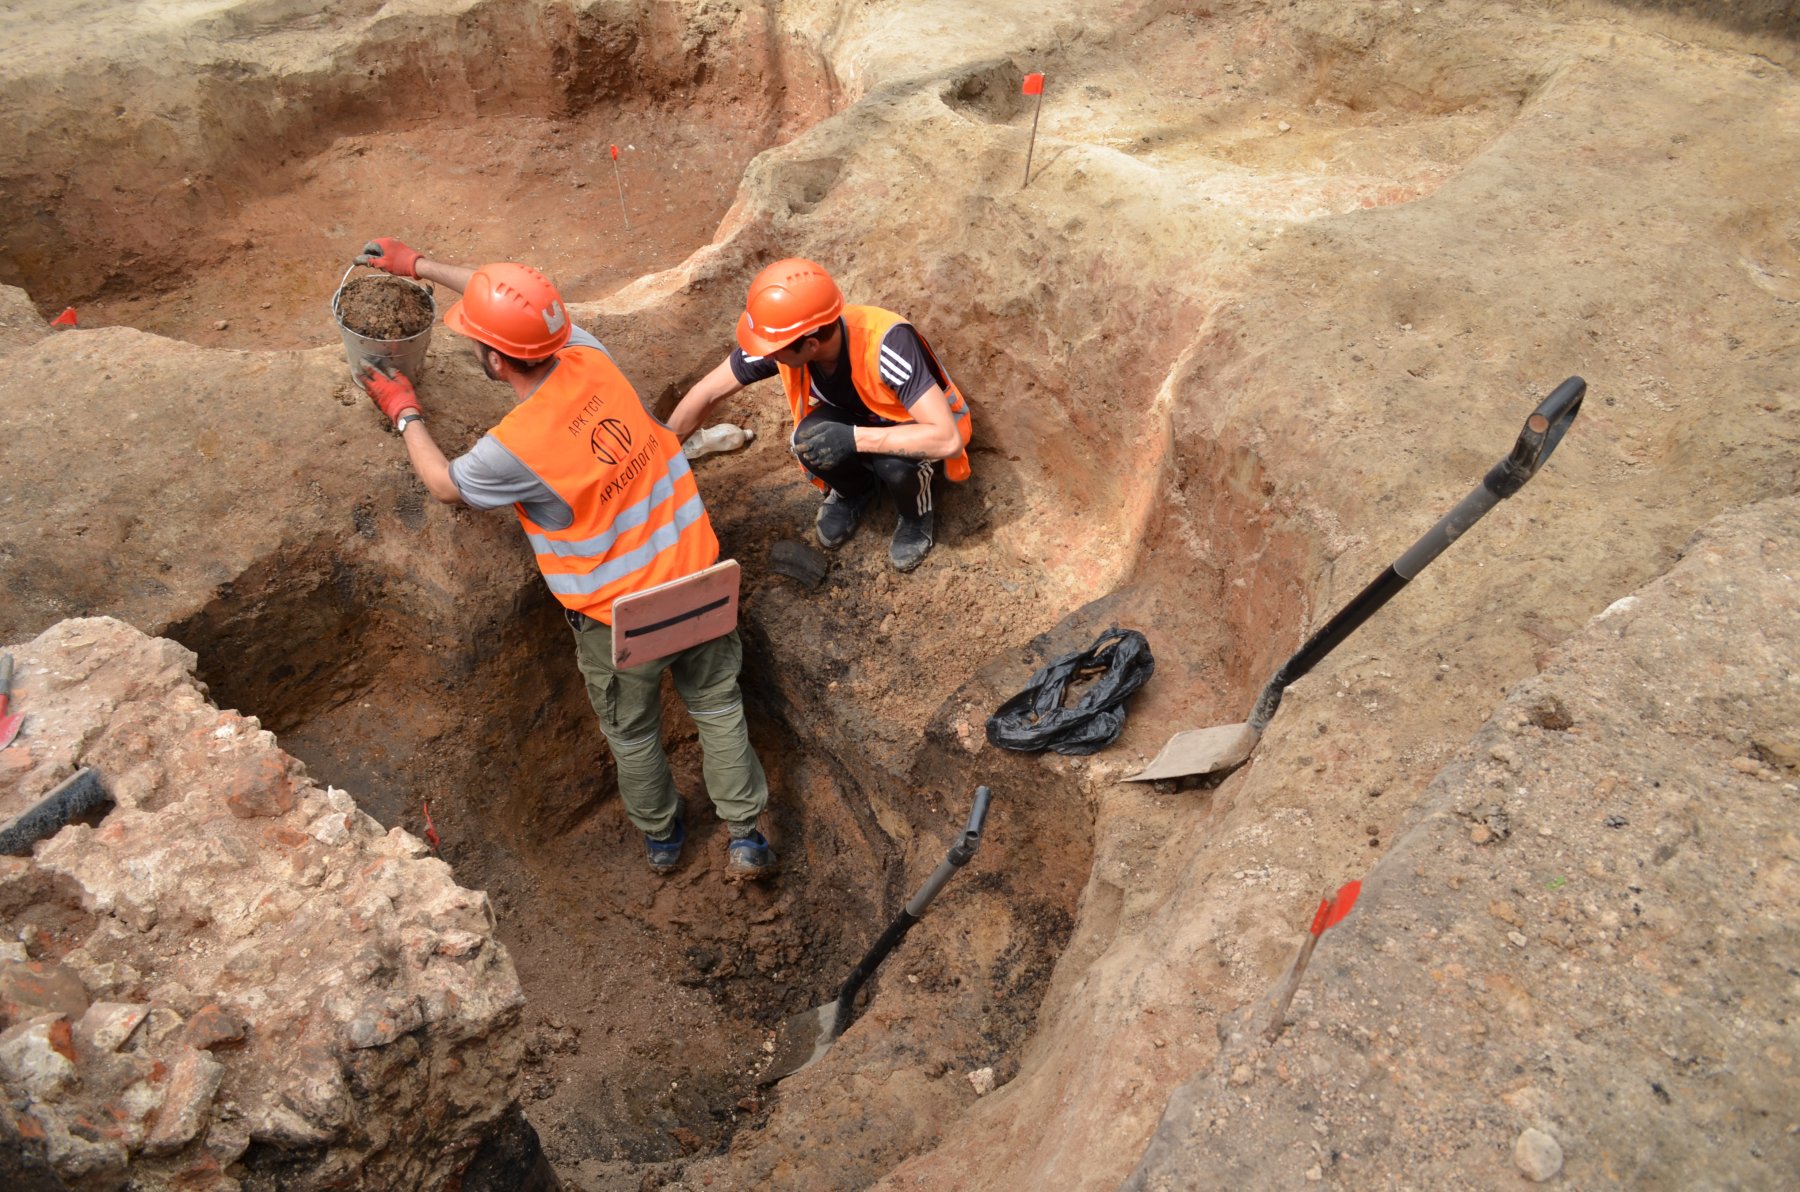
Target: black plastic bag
1035, 720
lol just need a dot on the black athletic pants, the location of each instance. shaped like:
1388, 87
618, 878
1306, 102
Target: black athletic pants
908, 481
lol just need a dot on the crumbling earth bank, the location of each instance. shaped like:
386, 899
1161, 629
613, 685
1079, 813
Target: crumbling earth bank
1586, 928
235, 969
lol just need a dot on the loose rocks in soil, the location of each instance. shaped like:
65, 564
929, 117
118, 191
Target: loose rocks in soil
385, 307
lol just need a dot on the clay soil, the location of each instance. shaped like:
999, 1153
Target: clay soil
531, 188
1283, 286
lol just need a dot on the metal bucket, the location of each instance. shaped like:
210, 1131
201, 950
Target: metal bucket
406, 356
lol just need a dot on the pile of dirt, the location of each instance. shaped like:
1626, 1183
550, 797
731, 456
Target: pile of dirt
382, 307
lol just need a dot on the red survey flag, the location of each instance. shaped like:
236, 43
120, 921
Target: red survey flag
65, 319
615, 152
1333, 910
1034, 84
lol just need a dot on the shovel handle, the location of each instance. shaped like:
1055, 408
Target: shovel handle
1543, 430
959, 855
6, 667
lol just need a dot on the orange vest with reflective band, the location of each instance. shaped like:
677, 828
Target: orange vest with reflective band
865, 326
638, 517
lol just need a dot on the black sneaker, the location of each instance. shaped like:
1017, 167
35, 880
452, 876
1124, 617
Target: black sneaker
912, 541
749, 857
837, 518
665, 854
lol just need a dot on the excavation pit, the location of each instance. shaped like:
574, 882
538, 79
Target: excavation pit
219, 208
1245, 333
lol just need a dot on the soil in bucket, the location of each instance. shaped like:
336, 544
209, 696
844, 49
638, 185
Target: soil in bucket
382, 307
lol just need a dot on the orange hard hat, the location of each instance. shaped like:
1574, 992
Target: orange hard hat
787, 300
513, 308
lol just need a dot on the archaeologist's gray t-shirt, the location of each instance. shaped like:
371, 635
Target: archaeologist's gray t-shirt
490, 476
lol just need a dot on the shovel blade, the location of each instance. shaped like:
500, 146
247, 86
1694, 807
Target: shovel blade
802, 1041
9, 728
1200, 751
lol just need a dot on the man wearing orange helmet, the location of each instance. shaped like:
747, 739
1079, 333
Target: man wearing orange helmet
606, 499
872, 406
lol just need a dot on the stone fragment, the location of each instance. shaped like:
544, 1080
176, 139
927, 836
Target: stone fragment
107, 1025
211, 1026
382, 1021
982, 1081
259, 786
30, 1058
332, 828
32, 988
187, 1102
1538, 1155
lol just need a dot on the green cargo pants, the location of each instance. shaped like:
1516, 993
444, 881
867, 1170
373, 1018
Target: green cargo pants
629, 705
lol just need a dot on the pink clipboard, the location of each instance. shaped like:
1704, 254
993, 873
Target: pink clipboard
669, 618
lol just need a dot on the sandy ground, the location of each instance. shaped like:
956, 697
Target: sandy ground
1282, 287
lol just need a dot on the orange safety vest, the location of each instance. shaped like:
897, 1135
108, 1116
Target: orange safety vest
638, 517
865, 326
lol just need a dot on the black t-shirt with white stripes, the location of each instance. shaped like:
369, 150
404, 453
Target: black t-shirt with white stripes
904, 366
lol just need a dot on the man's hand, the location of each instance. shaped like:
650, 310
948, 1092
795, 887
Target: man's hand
825, 445
391, 256
394, 394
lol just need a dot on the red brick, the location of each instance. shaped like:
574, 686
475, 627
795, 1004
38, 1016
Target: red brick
260, 787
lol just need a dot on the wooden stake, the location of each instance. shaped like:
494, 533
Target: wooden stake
621, 181
1034, 85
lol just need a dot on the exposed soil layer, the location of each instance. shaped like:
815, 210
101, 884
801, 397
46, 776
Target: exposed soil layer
1281, 288
384, 307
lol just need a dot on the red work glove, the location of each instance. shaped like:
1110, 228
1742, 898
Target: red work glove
391, 256
394, 394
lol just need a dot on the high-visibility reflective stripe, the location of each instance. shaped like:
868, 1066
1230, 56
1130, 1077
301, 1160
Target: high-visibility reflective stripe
612, 570
630, 518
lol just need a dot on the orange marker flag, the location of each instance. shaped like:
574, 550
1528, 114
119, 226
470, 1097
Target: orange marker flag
65, 319
1034, 85
616, 178
1332, 910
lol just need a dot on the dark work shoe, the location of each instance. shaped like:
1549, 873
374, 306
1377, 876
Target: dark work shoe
837, 518
912, 541
749, 857
665, 854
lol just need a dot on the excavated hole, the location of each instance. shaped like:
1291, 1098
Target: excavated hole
221, 210
648, 1002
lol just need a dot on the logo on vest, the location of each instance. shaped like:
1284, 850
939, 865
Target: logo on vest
610, 435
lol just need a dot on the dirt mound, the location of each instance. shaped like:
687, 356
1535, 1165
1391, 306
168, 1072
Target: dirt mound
384, 307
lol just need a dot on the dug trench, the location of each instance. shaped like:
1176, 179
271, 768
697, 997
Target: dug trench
650, 1000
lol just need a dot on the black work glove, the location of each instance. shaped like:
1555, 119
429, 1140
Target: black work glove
825, 445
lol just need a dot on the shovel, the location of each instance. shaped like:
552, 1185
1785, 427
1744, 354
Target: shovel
1208, 750
805, 1038
9, 722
